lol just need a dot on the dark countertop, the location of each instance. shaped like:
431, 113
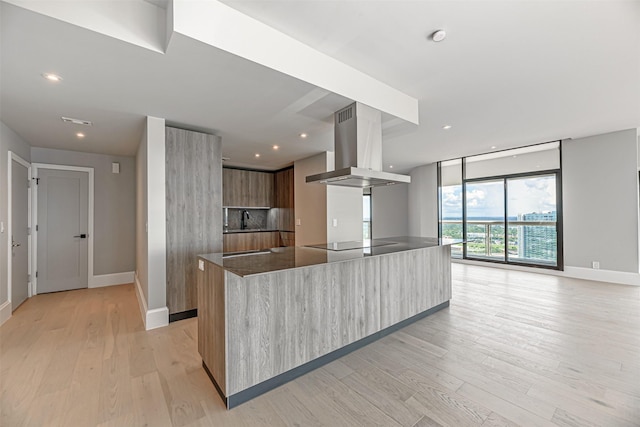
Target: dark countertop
276, 259
250, 230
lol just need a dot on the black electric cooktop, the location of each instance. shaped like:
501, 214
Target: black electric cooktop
356, 244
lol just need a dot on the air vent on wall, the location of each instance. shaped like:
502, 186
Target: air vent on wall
76, 121
345, 114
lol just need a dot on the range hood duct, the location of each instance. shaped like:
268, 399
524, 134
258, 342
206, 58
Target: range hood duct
358, 151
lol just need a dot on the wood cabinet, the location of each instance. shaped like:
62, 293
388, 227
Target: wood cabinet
245, 188
248, 241
251, 189
193, 208
288, 238
284, 199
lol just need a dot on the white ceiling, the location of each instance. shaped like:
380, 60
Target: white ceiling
510, 73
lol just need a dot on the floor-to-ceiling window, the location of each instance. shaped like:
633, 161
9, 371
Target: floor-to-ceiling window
450, 189
484, 219
505, 205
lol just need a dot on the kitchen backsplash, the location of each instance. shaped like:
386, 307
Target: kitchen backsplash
258, 218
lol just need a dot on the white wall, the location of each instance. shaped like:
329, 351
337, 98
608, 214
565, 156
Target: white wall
310, 201
9, 141
423, 201
141, 218
344, 205
151, 226
600, 201
114, 212
390, 211
344, 208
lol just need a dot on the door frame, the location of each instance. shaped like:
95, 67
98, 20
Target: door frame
90, 171
11, 157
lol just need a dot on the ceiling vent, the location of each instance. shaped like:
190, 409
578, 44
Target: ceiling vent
76, 121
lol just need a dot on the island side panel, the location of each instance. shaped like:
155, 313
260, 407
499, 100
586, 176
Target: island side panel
440, 276
281, 320
211, 321
413, 282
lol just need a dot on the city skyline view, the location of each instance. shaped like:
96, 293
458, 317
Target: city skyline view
485, 199
528, 204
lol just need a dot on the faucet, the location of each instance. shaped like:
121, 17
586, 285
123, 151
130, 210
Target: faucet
244, 216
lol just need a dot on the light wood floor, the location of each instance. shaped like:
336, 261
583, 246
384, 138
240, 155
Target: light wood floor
513, 349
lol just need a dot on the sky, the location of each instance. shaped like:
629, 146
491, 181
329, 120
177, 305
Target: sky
486, 199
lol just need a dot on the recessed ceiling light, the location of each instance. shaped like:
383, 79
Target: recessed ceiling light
303, 135
52, 77
438, 36
514, 156
447, 127
390, 166
257, 154
80, 135
275, 147
76, 121
493, 147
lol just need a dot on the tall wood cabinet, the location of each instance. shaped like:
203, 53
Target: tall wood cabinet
247, 189
193, 208
285, 202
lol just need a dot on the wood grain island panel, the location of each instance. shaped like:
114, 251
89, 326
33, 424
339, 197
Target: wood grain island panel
280, 324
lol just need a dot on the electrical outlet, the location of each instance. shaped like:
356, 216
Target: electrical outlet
595, 265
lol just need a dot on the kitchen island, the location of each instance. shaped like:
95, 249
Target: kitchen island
267, 317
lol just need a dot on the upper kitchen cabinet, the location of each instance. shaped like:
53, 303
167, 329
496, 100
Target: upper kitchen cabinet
247, 189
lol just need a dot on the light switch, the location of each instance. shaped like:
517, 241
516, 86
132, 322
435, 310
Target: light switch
335, 222
298, 221
200, 265
115, 167
1, 226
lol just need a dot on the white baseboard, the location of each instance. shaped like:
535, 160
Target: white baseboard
609, 276
157, 318
5, 311
152, 319
619, 277
111, 279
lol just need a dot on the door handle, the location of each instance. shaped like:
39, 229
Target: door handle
14, 244
82, 236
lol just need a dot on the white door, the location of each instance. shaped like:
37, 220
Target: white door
63, 198
19, 234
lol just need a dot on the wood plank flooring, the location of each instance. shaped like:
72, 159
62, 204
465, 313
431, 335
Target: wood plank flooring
513, 348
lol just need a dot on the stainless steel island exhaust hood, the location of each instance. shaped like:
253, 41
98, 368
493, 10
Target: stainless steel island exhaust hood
358, 151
